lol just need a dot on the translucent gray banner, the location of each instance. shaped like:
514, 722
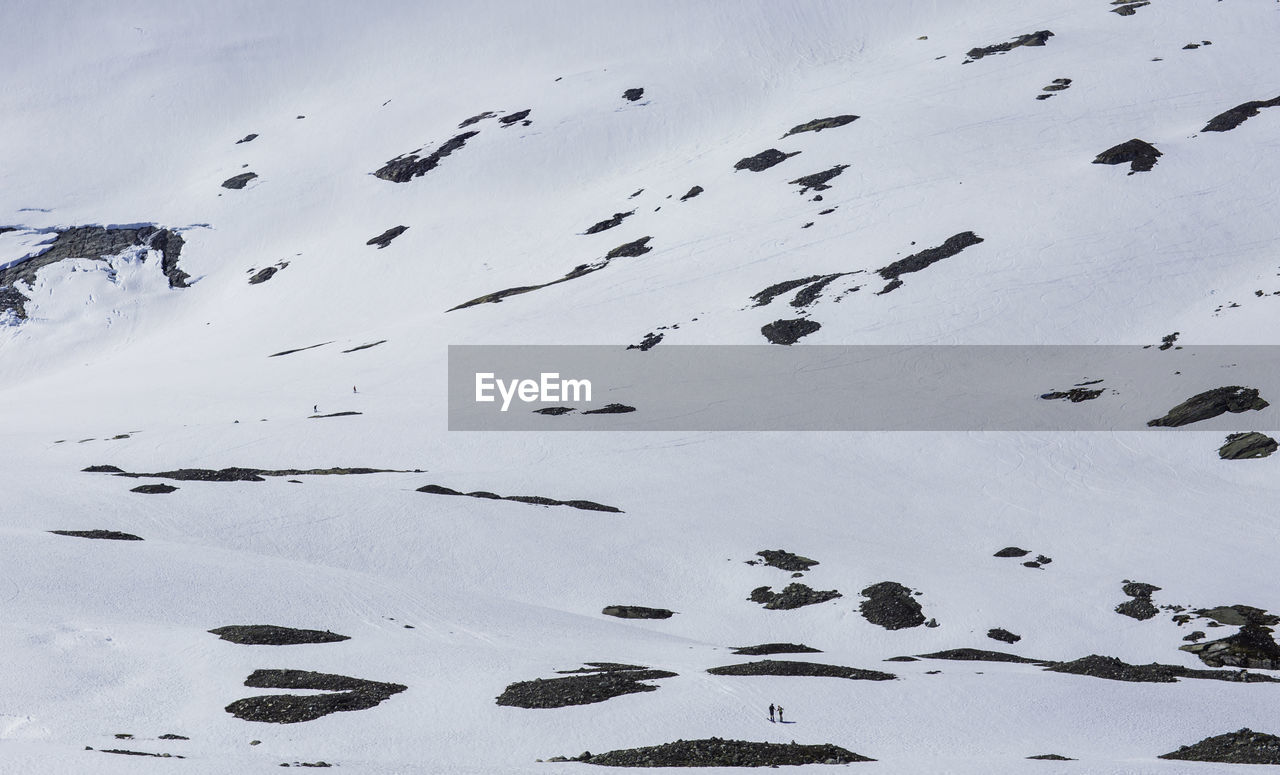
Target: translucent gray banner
863, 388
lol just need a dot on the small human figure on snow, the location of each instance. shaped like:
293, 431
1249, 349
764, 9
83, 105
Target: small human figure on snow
780, 721
771, 711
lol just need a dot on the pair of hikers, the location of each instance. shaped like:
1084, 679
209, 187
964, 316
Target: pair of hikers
778, 709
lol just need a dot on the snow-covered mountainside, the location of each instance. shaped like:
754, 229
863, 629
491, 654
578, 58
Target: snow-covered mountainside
237, 239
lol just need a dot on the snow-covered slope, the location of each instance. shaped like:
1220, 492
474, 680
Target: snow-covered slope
128, 115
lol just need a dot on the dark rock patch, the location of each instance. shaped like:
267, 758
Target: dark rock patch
247, 139
1140, 155
1252, 647
1038, 38
650, 340
94, 243
1211, 403
519, 115
1003, 635
237, 182
384, 239
925, 258
273, 635
171, 736
784, 560
715, 752
1140, 607
819, 124
1225, 122
818, 180
608, 223
777, 289
154, 489
890, 605
1059, 84
794, 595
1012, 551
1115, 670
981, 655
1075, 395
788, 332
691, 193
406, 167
1240, 747
763, 160
628, 250
1128, 7
554, 411
591, 687
333, 414
108, 535
633, 94
262, 275
298, 350
235, 474
347, 694
1052, 757
477, 119
141, 753
102, 470
365, 346
792, 668
1238, 616
435, 489
636, 612
775, 648
1243, 446
612, 409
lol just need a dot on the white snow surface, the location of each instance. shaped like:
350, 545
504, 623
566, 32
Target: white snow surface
127, 113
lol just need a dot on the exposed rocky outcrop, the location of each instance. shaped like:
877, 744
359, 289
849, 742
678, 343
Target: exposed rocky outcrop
628, 250
1240, 747
298, 349
784, 560
108, 535
819, 124
247, 138
1243, 446
1211, 403
154, 489
818, 180
1128, 7
274, 635
519, 115
775, 648
384, 239
347, 694
636, 612
554, 411
794, 595
631, 95
235, 474
1075, 395
982, 655
237, 182
1253, 647
1228, 120
406, 167
1140, 155
1012, 551
476, 119
792, 668
262, 275
365, 346
891, 606
1003, 635
649, 341
591, 687
1038, 38
763, 160
788, 332
611, 409
1116, 670
1052, 757
926, 258
95, 243
1140, 607
537, 500
715, 752
609, 223
332, 414
691, 193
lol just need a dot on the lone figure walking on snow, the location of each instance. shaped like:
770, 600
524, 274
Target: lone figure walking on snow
780, 721
771, 711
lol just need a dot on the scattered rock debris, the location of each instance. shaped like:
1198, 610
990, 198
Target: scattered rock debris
1243, 746
406, 167
346, 694
650, 341
794, 595
609, 223
1038, 38
891, 605
763, 160
1140, 607
788, 332
603, 682
784, 560
716, 752
818, 180
775, 648
793, 668
1116, 670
